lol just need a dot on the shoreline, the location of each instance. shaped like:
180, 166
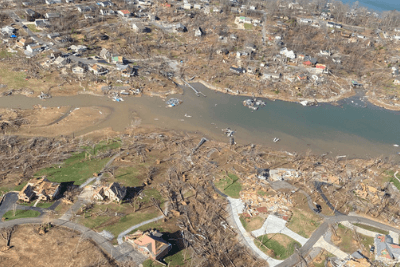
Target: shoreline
379, 103
178, 91
330, 100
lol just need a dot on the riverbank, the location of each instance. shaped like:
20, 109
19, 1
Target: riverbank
274, 97
377, 102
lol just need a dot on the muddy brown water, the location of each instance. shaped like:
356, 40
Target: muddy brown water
355, 128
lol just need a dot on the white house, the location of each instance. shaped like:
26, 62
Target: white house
33, 48
51, 2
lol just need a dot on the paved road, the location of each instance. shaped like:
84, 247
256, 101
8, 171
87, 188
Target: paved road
318, 233
8, 201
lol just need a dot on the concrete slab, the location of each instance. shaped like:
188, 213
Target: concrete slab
321, 243
274, 225
237, 208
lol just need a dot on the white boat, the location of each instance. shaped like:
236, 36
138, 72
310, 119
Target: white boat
276, 139
304, 103
396, 145
187, 116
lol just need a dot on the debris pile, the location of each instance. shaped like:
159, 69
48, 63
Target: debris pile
173, 102
253, 104
281, 174
262, 199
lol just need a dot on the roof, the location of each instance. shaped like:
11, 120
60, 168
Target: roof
119, 191
153, 242
125, 12
385, 247
27, 190
45, 187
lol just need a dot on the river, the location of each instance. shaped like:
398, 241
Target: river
354, 128
381, 5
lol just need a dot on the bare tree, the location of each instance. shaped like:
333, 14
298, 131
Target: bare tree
7, 233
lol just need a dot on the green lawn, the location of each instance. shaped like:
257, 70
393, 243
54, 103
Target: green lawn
251, 224
303, 223
33, 28
102, 146
9, 215
129, 220
346, 243
281, 246
248, 26
43, 205
13, 79
5, 54
371, 228
230, 185
151, 263
389, 177
151, 193
12, 188
177, 259
128, 176
75, 169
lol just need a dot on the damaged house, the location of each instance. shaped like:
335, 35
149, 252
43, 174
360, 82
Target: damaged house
114, 192
42, 188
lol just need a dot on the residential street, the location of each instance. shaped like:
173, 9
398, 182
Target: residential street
315, 237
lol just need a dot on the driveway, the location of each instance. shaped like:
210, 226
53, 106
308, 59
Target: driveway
8, 201
274, 225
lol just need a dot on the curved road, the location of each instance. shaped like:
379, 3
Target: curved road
322, 229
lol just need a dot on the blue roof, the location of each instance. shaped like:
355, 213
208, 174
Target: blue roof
13, 36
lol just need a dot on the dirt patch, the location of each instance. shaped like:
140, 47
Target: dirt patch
344, 239
55, 248
51, 121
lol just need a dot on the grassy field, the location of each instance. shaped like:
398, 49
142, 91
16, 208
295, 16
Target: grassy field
248, 26
128, 176
321, 259
33, 28
230, 185
277, 246
151, 263
253, 223
346, 241
9, 215
131, 219
43, 205
178, 259
6, 189
102, 217
303, 222
389, 177
5, 54
371, 228
75, 169
102, 146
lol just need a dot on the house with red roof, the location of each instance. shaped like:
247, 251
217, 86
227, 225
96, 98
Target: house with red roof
124, 13
149, 243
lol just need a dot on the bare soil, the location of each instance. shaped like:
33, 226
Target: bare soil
58, 247
49, 122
